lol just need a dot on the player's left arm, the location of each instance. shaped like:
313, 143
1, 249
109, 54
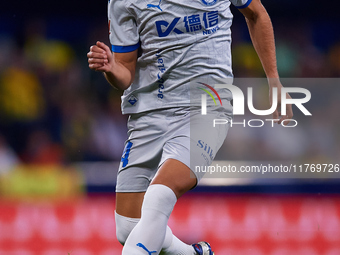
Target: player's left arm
262, 35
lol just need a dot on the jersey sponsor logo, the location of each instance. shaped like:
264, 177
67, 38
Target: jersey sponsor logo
155, 6
162, 69
146, 249
209, 2
169, 28
132, 100
206, 22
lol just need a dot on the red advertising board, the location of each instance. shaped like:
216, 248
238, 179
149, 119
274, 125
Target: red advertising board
233, 224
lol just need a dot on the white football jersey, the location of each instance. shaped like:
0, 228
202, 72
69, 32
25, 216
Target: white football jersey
178, 40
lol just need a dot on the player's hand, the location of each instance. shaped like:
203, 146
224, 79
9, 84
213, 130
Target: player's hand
100, 57
275, 83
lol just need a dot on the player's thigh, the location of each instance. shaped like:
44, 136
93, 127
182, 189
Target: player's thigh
129, 204
132, 182
193, 141
140, 161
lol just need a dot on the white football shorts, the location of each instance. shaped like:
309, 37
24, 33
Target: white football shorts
179, 133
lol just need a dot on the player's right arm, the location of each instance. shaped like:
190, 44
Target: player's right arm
118, 68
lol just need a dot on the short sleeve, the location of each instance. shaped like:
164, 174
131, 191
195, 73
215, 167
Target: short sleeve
240, 4
123, 28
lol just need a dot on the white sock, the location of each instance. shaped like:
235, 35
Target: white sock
173, 246
124, 226
149, 234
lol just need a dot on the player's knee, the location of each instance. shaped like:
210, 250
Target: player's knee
187, 187
122, 235
124, 226
180, 188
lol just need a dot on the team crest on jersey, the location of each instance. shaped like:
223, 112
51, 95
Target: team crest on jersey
132, 100
209, 2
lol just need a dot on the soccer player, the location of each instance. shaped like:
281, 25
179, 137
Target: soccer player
158, 47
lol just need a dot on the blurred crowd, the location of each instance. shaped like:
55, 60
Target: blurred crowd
55, 110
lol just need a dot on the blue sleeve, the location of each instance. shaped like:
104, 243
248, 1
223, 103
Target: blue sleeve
123, 49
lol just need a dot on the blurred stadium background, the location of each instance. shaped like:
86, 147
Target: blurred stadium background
62, 135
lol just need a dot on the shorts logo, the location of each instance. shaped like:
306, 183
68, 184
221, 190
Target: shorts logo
126, 153
207, 149
209, 2
132, 100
